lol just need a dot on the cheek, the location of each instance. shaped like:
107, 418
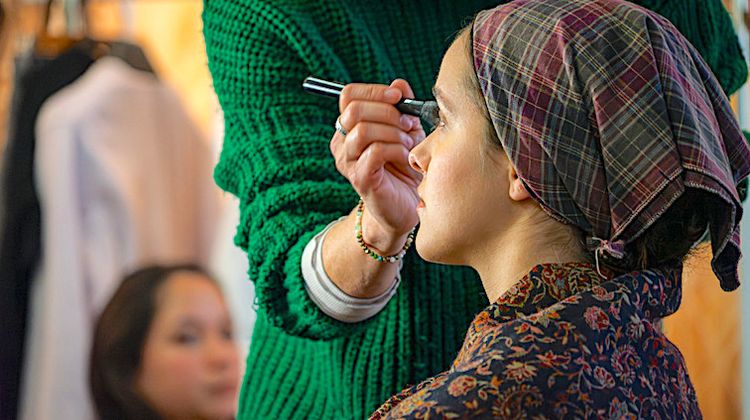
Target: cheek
456, 187
462, 192
454, 194
173, 361
170, 377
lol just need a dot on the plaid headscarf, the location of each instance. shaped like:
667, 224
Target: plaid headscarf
609, 114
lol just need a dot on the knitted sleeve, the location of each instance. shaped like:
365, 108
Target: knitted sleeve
708, 26
275, 156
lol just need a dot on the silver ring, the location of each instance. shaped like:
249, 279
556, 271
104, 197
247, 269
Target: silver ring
340, 128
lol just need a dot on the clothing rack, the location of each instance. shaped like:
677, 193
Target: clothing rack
77, 15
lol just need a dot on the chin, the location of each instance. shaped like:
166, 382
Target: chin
219, 413
423, 250
435, 250
218, 407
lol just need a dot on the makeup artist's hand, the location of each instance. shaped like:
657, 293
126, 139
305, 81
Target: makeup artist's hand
373, 156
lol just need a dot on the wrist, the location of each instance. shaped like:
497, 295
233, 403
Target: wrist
382, 240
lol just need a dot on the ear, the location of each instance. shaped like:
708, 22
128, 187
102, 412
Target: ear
517, 190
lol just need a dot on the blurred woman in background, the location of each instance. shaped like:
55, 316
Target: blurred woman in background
163, 348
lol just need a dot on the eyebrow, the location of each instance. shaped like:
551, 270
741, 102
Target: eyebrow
442, 98
188, 322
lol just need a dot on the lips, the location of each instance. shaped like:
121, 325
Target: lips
222, 388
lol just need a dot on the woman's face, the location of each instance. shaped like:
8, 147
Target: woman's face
189, 367
465, 186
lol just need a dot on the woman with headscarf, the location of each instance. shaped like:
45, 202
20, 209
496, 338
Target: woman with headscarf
395, 323
582, 148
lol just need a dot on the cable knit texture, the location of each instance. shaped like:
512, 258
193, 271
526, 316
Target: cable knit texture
275, 159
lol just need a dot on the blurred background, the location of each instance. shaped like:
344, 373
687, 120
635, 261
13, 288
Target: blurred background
712, 328
127, 206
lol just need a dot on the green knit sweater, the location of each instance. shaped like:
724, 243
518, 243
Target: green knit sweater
275, 159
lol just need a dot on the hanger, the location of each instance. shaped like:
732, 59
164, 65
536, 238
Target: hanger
128, 52
47, 45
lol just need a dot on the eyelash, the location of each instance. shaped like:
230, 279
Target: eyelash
186, 338
228, 334
435, 120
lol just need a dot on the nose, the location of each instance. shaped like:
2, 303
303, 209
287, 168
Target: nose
221, 352
418, 159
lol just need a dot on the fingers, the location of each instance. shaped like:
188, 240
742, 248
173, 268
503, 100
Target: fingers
378, 112
359, 159
374, 103
365, 135
379, 136
404, 87
398, 89
378, 158
337, 141
417, 132
369, 93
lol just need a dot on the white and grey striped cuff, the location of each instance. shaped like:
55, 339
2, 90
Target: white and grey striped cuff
329, 298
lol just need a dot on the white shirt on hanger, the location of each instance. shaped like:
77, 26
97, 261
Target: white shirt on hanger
229, 262
124, 180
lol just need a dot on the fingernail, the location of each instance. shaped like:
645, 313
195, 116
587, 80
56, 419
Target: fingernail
406, 122
407, 141
392, 94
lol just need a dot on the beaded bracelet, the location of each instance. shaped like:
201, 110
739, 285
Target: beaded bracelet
375, 256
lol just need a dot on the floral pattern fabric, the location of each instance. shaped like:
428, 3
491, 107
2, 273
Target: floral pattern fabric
564, 343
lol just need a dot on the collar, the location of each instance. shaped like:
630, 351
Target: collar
655, 293
543, 286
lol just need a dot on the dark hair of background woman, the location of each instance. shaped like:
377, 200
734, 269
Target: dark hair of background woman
119, 338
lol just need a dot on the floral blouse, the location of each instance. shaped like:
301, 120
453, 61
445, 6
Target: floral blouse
564, 342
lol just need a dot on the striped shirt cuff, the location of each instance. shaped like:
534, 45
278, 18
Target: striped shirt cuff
329, 298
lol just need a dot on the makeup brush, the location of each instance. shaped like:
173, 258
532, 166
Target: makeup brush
425, 110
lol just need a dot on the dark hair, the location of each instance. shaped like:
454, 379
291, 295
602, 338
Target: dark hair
119, 338
668, 242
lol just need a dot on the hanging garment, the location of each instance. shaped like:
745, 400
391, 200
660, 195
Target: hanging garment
229, 266
229, 263
36, 81
124, 180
